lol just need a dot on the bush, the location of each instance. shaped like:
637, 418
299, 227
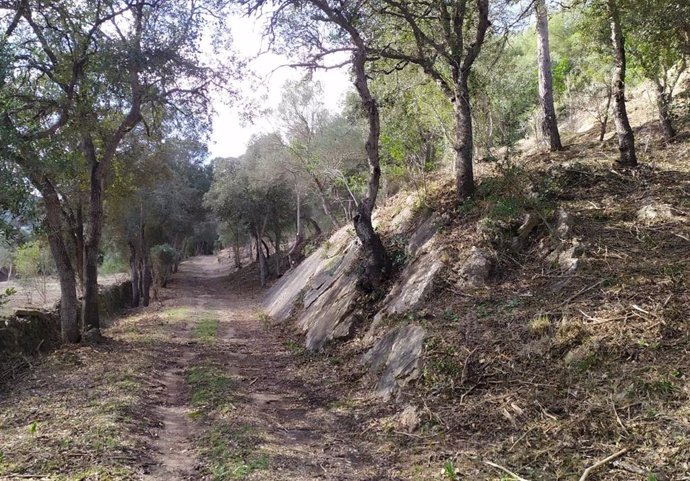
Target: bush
113, 264
163, 257
34, 265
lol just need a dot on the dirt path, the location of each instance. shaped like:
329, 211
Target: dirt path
268, 420
194, 387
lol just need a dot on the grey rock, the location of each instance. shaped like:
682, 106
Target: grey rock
564, 224
396, 358
409, 420
478, 267
528, 225
313, 275
656, 213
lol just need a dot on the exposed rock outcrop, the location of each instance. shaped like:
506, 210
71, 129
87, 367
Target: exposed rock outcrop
396, 358
326, 283
320, 296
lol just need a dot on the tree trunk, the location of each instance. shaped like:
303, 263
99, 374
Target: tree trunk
146, 278
238, 260
90, 314
378, 263
134, 274
263, 264
663, 103
549, 124
69, 305
277, 253
626, 138
605, 117
464, 174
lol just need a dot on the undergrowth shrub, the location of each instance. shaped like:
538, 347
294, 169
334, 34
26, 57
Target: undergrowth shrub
34, 265
163, 258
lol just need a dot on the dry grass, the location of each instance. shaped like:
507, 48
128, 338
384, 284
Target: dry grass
542, 372
84, 412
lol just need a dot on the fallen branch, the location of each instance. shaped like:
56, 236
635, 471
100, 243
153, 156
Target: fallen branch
507, 471
587, 471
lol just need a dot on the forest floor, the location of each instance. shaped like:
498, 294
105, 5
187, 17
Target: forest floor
195, 387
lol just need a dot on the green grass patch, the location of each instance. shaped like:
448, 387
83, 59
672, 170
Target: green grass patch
177, 313
211, 388
206, 329
231, 453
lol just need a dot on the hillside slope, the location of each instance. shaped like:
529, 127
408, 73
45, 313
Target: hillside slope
542, 326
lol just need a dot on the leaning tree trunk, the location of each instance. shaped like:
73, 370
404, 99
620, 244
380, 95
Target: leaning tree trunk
549, 125
69, 304
626, 138
324, 201
464, 174
278, 240
663, 103
378, 263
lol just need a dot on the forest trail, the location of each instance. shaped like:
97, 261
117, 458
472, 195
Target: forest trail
272, 422
194, 387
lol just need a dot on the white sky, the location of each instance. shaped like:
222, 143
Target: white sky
230, 133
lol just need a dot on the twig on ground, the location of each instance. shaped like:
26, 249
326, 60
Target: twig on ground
588, 471
577, 294
506, 470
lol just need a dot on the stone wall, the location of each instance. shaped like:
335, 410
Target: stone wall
30, 331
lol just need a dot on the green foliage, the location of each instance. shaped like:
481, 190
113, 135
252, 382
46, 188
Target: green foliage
33, 259
163, 258
112, 264
449, 471
5, 295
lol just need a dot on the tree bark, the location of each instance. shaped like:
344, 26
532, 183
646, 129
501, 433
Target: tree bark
278, 240
238, 260
549, 124
663, 103
263, 264
605, 117
90, 314
146, 278
134, 274
378, 265
69, 305
79, 245
464, 173
626, 138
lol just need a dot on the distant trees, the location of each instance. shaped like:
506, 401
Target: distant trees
75, 83
158, 202
446, 39
255, 195
659, 44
